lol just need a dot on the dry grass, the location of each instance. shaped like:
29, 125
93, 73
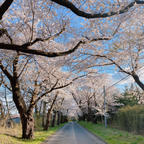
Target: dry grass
13, 135
7, 135
15, 131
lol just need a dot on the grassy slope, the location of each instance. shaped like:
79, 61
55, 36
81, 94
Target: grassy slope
12, 136
113, 136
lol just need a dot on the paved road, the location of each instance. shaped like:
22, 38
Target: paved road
72, 133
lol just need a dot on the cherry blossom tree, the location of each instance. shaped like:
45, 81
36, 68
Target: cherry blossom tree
89, 9
30, 80
125, 52
44, 28
27, 27
89, 95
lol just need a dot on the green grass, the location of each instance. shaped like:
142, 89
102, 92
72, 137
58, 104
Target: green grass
111, 135
13, 136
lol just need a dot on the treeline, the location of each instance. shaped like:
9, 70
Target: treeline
47, 113
45, 121
131, 118
126, 113
130, 115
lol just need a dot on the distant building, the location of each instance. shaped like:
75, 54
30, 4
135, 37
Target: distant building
15, 118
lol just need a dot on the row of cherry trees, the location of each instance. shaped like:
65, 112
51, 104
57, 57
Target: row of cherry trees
30, 83
31, 78
47, 28
89, 97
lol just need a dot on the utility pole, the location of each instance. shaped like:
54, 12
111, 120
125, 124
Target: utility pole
7, 105
105, 117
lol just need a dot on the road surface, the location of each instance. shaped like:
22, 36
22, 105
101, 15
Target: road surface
73, 133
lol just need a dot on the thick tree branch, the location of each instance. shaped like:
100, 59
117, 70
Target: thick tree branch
136, 59
4, 31
9, 88
111, 60
104, 64
5, 71
55, 87
45, 93
63, 86
15, 63
2, 81
25, 49
137, 80
104, 37
53, 102
4, 7
43, 40
77, 11
24, 67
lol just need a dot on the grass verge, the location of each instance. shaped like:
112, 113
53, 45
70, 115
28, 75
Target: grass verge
13, 136
111, 135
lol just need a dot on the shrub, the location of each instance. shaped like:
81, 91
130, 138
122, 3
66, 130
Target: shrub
131, 118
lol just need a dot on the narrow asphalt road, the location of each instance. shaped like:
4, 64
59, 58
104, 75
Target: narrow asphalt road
73, 133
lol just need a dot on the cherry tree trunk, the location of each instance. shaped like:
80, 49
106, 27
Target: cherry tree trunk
47, 120
58, 118
53, 119
61, 119
44, 114
27, 126
49, 113
27, 120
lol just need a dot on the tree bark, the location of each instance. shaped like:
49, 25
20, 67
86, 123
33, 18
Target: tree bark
58, 118
49, 112
2, 110
89, 111
27, 121
25, 115
68, 4
53, 119
137, 80
40, 108
4, 7
48, 120
61, 119
44, 114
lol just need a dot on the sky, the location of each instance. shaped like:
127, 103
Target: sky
115, 76
121, 80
